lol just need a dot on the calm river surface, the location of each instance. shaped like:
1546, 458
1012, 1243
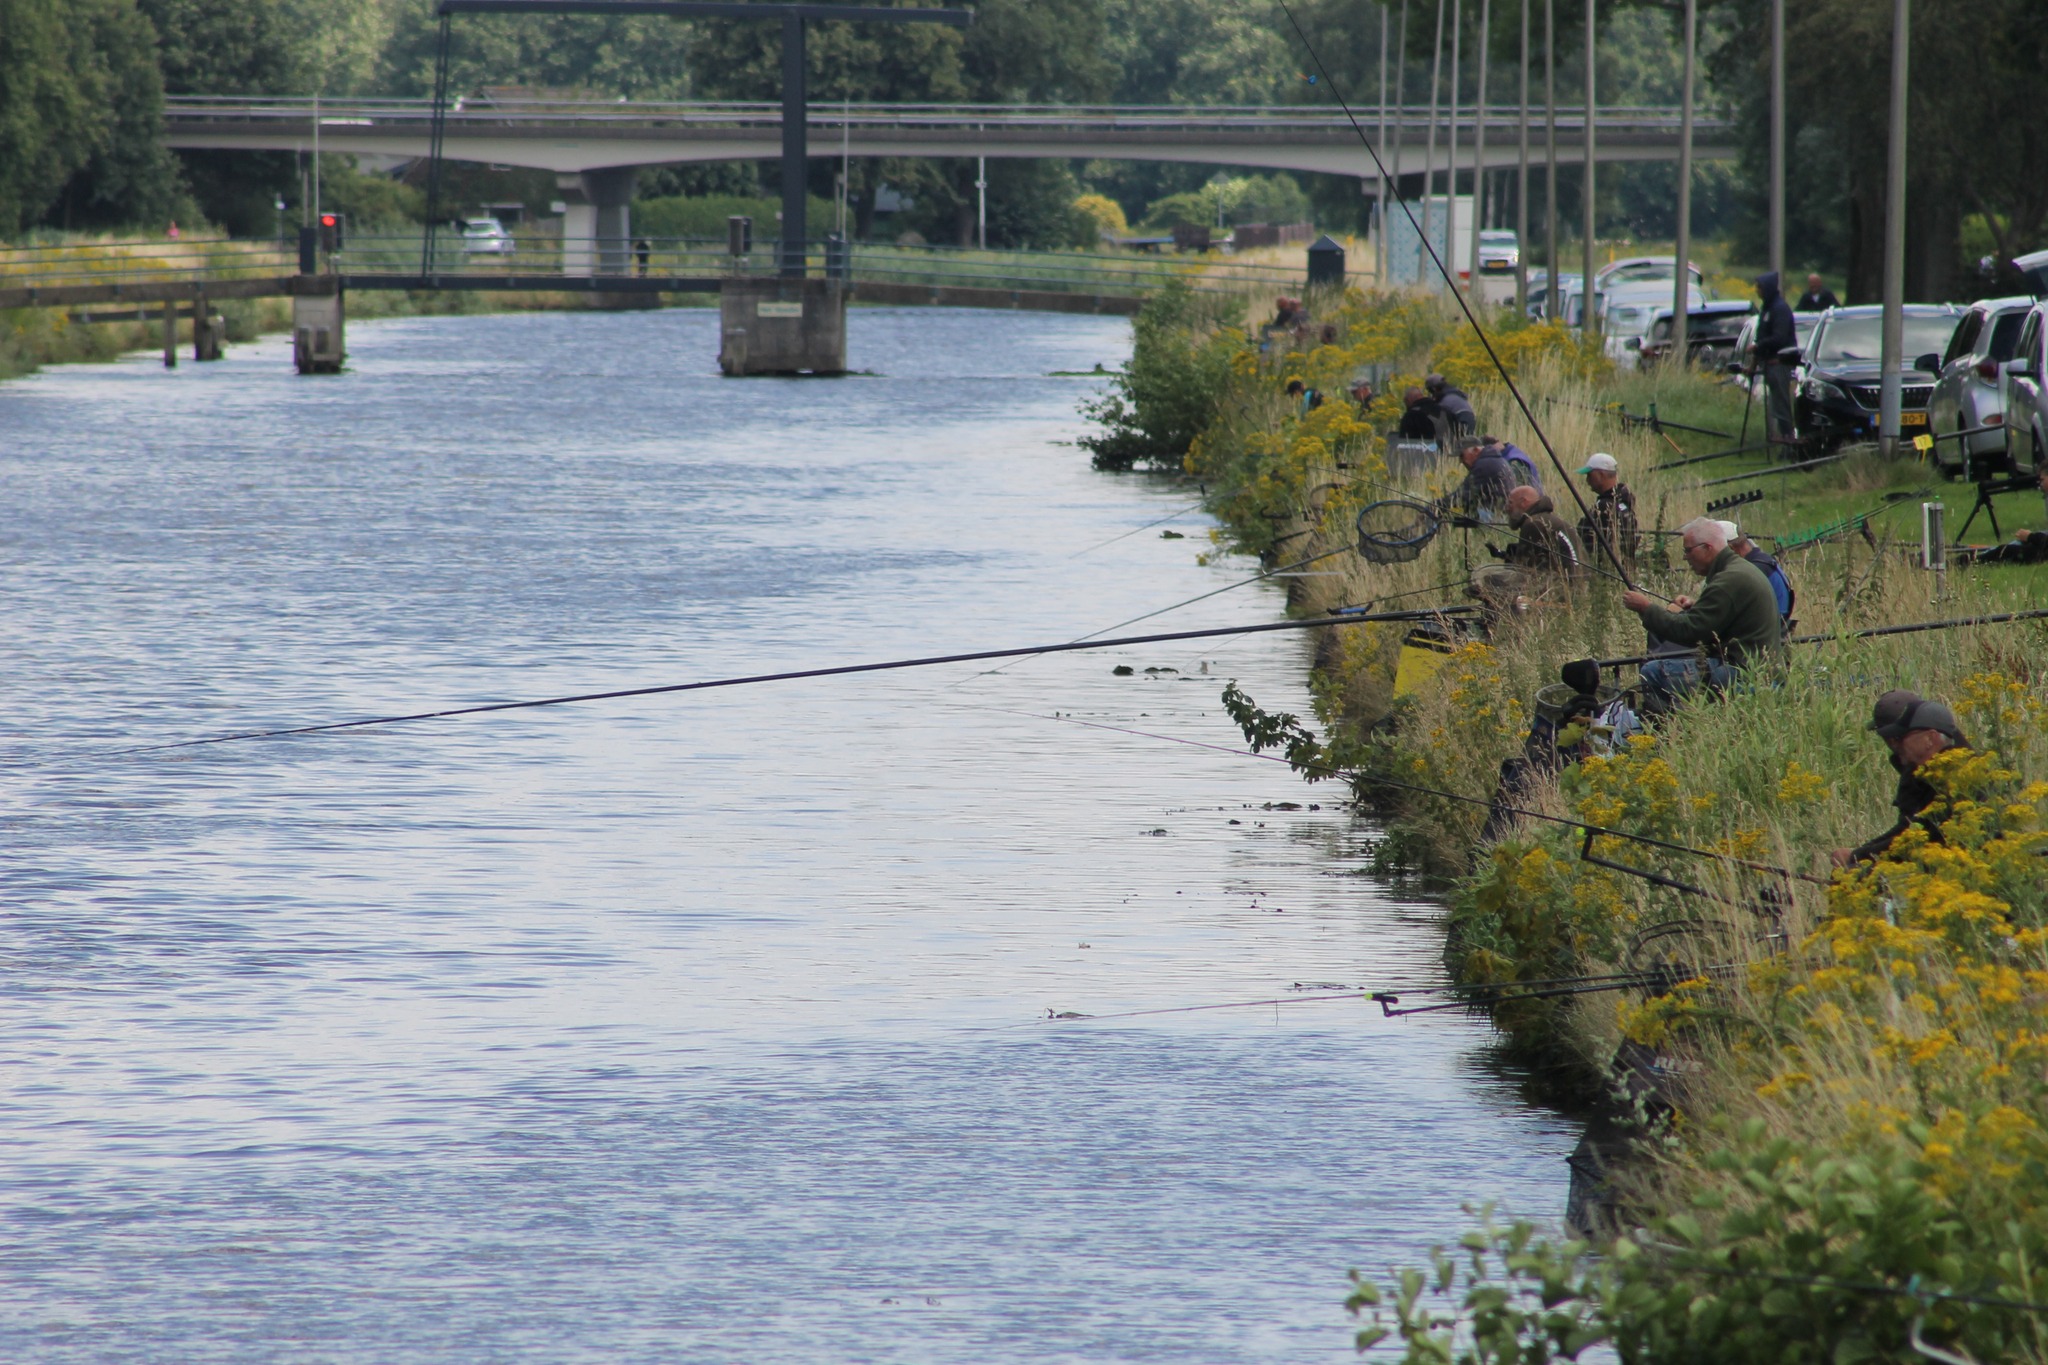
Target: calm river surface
704, 1028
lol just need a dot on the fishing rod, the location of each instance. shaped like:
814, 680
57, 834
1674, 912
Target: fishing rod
1868, 633
792, 675
1657, 424
1451, 283
1717, 455
1171, 516
1780, 469
1378, 780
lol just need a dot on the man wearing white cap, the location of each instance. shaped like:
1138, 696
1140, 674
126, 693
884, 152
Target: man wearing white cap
1781, 586
1611, 520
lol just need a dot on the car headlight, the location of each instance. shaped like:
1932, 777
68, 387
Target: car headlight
1821, 391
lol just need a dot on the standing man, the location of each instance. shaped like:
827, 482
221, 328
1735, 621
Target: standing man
1456, 405
1611, 520
1915, 730
1818, 298
1734, 619
1777, 341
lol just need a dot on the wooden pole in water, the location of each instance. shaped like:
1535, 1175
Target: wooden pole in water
170, 334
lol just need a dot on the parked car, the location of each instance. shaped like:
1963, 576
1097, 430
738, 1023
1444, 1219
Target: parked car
1711, 332
1637, 269
486, 237
2024, 379
1499, 251
1969, 394
1837, 399
1571, 307
1627, 313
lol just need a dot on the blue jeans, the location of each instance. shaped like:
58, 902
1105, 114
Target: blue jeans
1670, 679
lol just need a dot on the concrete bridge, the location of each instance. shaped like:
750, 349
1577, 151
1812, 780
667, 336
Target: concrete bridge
570, 137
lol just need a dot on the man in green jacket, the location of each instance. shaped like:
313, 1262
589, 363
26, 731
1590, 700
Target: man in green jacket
1734, 619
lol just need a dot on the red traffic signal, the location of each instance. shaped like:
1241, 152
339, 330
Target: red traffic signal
330, 231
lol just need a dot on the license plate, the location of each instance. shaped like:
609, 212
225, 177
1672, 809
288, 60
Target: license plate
1912, 419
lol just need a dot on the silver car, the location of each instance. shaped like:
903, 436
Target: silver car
2025, 398
1969, 395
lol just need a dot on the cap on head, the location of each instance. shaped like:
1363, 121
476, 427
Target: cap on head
1891, 706
1436, 383
1602, 462
1922, 715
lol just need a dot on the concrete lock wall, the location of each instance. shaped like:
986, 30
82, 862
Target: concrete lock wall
318, 346
779, 326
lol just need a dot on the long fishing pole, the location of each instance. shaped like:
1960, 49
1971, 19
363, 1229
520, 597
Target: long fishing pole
1378, 780
1868, 633
791, 675
1451, 283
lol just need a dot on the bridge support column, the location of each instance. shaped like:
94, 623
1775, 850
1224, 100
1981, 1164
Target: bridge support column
782, 326
597, 227
318, 345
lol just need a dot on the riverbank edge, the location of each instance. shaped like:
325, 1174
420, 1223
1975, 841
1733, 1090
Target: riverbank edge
1755, 1147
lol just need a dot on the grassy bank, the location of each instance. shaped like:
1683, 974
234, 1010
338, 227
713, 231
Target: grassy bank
1857, 1066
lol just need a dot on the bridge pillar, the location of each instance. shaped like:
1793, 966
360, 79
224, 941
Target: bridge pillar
597, 227
772, 325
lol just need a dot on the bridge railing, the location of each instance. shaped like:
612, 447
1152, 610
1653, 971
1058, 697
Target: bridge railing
733, 113
538, 258
193, 260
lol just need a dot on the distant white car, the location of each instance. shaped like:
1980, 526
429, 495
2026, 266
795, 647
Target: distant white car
1500, 251
1627, 313
487, 237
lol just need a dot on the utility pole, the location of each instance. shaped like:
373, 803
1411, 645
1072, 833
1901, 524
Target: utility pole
1479, 146
1379, 235
1681, 302
1436, 75
1777, 226
1551, 308
1589, 196
1400, 110
1894, 240
981, 202
1451, 160
1522, 183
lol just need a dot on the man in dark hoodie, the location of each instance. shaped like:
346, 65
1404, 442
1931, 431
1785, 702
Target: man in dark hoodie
1456, 405
1776, 345
1915, 730
1488, 481
1545, 554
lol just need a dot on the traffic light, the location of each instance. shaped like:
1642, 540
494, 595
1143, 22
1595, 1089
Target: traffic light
330, 231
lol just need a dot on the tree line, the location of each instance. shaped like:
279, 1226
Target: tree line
82, 84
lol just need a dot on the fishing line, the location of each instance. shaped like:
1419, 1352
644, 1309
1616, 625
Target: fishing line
1438, 792
1202, 597
1463, 306
1871, 632
1100, 544
792, 675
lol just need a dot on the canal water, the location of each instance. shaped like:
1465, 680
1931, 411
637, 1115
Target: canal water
709, 1027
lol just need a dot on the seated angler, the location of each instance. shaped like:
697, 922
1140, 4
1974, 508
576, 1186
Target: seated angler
1915, 730
1545, 553
1734, 619
1521, 464
1456, 405
1484, 493
1774, 574
1421, 418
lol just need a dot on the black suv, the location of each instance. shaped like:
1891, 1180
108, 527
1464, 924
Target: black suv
1841, 370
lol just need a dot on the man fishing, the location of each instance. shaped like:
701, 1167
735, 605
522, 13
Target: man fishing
1773, 572
1915, 730
1455, 403
1545, 553
1734, 619
1612, 517
1488, 481
1422, 418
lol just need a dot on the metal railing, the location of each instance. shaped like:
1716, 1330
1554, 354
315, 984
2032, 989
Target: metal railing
158, 261
706, 260
186, 110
